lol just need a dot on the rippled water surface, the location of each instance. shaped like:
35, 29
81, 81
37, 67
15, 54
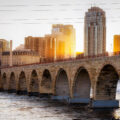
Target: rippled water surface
14, 107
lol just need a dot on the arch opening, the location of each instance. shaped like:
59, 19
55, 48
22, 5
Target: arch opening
107, 83
62, 85
4, 82
82, 86
1, 89
22, 85
12, 83
118, 91
46, 83
34, 84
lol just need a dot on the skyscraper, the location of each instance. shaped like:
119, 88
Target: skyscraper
94, 32
65, 41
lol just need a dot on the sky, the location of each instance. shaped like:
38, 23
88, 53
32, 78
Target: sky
22, 18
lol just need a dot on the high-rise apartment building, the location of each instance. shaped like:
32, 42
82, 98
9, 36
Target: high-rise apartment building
116, 43
94, 32
65, 41
44, 46
36, 44
58, 45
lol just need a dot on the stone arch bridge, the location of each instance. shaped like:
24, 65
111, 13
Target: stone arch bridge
75, 81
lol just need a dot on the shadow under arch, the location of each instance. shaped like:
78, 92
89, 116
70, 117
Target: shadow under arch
0, 81
22, 84
34, 84
4, 82
12, 83
46, 83
81, 86
62, 91
106, 85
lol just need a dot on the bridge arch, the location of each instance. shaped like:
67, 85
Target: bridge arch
22, 84
34, 84
0, 81
12, 83
81, 84
62, 85
46, 82
107, 83
4, 81
107, 63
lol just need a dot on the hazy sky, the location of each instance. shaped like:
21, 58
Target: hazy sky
21, 18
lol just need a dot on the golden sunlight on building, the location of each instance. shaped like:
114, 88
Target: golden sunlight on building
49, 47
116, 44
79, 54
60, 44
44, 46
36, 44
4, 46
65, 41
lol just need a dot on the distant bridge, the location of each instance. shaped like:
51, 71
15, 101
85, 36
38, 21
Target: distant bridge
70, 80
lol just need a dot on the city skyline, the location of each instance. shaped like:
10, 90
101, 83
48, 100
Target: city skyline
41, 58
21, 19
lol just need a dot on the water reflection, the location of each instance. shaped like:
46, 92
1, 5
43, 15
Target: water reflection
14, 107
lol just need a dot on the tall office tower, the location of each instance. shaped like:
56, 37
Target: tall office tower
65, 41
94, 32
116, 43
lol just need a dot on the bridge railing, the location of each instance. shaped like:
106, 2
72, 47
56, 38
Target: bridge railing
107, 54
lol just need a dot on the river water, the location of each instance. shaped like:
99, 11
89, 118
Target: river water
15, 107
